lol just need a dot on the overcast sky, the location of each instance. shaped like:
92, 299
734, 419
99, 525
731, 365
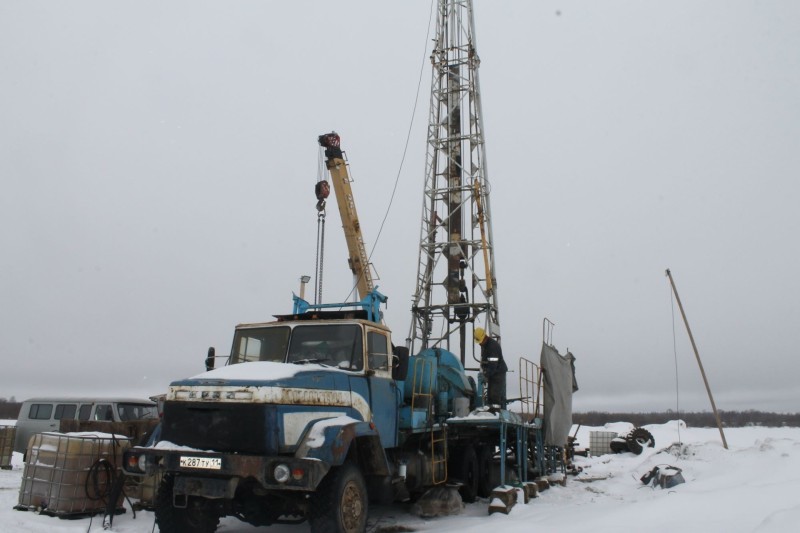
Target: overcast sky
158, 159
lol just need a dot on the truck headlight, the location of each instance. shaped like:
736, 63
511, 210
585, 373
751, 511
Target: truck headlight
133, 463
281, 473
136, 463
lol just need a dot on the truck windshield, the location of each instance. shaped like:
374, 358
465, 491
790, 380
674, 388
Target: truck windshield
260, 344
338, 345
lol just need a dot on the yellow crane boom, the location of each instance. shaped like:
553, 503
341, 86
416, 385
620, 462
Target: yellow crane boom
358, 259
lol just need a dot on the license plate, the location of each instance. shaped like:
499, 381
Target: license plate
211, 463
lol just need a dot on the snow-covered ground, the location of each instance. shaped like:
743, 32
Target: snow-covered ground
754, 486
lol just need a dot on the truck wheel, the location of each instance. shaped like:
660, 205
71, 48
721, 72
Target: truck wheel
340, 503
195, 518
485, 484
468, 473
618, 445
639, 439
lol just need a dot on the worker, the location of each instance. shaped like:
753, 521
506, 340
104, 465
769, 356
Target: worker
493, 366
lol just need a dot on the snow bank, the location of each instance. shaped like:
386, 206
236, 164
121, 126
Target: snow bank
751, 487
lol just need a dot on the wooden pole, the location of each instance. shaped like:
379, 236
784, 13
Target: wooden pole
699, 363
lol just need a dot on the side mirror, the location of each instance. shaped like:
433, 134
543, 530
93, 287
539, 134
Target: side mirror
210, 359
399, 363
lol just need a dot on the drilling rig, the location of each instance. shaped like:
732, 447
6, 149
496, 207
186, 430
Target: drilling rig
456, 288
318, 413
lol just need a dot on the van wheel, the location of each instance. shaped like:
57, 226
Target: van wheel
340, 503
197, 517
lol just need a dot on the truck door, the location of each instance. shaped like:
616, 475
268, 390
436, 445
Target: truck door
382, 388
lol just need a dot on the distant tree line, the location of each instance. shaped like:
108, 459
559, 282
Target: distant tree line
9, 409
733, 419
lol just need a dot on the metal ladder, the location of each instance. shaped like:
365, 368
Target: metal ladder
438, 432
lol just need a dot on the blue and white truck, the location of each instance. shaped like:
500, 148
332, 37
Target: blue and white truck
315, 416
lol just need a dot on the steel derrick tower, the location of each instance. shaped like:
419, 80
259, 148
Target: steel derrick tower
456, 285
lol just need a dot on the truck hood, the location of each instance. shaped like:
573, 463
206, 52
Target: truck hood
273, 383
277, 403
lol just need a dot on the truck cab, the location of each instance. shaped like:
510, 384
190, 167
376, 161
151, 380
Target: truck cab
351, 356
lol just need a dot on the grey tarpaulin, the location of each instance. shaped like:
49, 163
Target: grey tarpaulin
559, 384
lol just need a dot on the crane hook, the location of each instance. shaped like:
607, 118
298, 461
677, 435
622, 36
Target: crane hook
322, 190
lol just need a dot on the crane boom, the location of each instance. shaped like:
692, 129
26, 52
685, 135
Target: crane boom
358, 259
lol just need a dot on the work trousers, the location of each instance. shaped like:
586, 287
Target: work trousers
496, 389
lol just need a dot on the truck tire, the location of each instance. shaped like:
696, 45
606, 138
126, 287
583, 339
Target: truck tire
468, 473
618, 445
639, 439
195, 518
485, 484
340, 504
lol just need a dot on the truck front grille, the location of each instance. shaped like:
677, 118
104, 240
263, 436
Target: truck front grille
244, 428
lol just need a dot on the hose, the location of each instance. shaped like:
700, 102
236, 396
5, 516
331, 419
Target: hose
101, 491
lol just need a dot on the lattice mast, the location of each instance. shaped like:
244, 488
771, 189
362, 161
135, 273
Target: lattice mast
456, 284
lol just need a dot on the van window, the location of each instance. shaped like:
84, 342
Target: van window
136, 411
85, 412
65, 411
40, 411
103, 412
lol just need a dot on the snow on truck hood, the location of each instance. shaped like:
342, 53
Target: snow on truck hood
271, 383
264, 370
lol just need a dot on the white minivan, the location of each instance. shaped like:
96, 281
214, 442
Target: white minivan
38, 415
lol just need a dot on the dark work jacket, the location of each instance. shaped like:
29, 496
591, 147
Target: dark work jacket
491, 350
